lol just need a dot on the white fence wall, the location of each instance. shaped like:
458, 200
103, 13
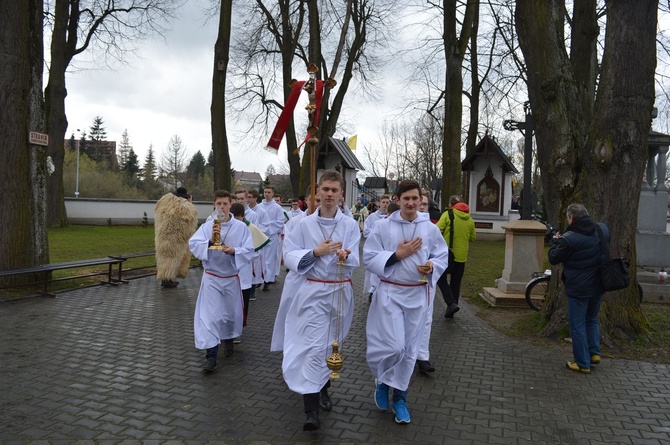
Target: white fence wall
98, 212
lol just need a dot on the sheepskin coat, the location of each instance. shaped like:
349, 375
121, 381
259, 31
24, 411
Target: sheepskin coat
175, 222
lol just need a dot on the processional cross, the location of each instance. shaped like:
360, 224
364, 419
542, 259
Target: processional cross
314, 89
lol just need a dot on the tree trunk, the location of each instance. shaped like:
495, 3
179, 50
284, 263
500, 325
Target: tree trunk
62, 51
454, 53
475, 89
22, 220
293, 156
615, 152
583, 159
222, 172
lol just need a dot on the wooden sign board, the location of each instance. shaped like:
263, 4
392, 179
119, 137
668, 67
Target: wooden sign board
38, 138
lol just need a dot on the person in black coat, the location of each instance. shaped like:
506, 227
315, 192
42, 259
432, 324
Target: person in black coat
580, 252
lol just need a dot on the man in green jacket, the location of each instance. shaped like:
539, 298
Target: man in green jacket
456, 217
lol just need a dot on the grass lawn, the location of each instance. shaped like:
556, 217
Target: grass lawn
83, 242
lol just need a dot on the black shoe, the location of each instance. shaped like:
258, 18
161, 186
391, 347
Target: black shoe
266, 287
311, 421
228, 348
325, 402
258, 285
168, 283
210, 366
425, 366
451, 310
370, 298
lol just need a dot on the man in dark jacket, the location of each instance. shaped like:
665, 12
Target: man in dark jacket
581, 254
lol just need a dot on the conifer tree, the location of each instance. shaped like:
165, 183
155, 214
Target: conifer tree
124, 149
132, 165
149, 169
196, 168
97, 131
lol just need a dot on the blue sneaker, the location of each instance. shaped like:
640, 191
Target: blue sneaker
400, 411
381, 396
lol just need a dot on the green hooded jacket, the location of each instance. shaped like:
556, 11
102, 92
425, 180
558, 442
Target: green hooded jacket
464, 230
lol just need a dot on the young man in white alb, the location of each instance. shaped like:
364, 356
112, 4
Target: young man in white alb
408, 254
219, 309
317, 303
275, 226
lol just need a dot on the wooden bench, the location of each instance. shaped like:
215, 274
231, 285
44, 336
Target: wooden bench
127, 256
45, 271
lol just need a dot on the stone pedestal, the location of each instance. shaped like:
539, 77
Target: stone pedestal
524, 250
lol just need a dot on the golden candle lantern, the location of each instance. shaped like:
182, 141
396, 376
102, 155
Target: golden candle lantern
335, 361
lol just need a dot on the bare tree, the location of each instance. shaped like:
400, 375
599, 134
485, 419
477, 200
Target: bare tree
340, 41
259, 90
81, 25
379, 159
589, 146
425, 158
24, 167
173, 162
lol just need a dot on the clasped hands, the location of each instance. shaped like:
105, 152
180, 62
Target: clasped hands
407, 248
327, 247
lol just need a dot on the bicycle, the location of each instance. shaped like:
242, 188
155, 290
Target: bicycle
538, 288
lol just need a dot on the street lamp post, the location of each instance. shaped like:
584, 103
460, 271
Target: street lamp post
526, 129
76, 190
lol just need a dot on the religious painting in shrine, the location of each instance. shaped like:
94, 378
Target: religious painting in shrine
488, 193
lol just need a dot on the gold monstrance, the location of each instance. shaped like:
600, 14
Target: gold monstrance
216, 226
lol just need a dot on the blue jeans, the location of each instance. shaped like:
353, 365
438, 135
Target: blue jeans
584, 328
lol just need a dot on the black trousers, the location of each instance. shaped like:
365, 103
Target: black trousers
246, 294
311, 401
451, 291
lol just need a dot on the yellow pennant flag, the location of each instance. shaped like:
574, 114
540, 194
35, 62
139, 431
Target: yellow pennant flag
352, 142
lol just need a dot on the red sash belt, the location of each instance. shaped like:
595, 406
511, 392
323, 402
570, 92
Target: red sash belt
219, 276
329, 281
404, 284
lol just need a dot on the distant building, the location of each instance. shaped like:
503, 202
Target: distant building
282, 185
248, 180
98, 151
375, 186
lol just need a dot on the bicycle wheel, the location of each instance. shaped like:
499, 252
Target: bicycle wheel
536, 292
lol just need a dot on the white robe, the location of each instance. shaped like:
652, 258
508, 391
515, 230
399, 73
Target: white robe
219, 307
257, 216
275, 225
307, 319
397, 315
371, 281
293, 213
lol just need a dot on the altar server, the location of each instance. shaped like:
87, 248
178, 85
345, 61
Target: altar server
219, 307
317, 299
409, 254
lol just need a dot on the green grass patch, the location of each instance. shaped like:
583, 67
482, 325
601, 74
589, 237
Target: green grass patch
486, 261
84, 242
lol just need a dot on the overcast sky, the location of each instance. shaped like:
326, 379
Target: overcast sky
166, 90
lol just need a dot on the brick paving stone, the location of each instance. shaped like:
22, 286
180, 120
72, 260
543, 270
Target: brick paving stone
120, 367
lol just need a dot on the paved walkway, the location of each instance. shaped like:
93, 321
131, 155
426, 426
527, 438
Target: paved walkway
117, 364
